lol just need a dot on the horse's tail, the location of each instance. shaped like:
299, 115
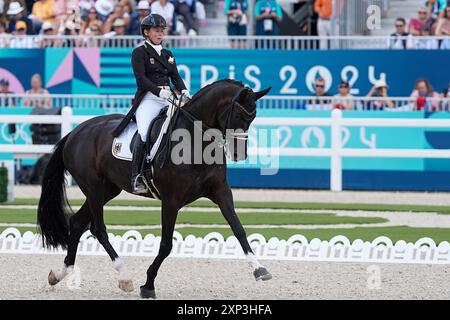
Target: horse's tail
53, 210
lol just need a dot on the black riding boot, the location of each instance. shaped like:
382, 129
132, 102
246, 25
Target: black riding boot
137, 183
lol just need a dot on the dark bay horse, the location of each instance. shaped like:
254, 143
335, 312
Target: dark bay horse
86, 154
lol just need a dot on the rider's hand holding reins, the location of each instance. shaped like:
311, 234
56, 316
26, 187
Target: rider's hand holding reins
166, 94
186, 96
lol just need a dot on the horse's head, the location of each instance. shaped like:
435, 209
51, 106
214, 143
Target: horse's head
235, 119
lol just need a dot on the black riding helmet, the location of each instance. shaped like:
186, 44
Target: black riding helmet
153, 20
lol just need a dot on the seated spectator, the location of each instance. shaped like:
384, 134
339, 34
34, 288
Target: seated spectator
435, 8
4, 6
397, 40
445, 104
142, 10
186, 9
128, 7
267, 14
64, 6
422, 91
72, 23
415, 25
48, 30
43, 11
92, 19
95, 31
21, 40
380, 89
321, 101
5, 99
118, 28
443, 24
424, 42
344, 92
236, 12
37, 96
165, 9
104, 9
118, 13
5, 37
16, 13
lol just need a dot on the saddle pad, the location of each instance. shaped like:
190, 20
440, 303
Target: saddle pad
121, 144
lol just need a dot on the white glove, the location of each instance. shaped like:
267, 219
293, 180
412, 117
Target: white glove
165, 94
186, 93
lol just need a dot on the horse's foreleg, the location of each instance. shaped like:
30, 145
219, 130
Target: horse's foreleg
103, 193
224, 199
168, 219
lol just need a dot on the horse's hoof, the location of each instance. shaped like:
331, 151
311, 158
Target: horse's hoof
126, 285
147, 294
262, 274
52, 279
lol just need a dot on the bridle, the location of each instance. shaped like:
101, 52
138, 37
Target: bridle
230, 109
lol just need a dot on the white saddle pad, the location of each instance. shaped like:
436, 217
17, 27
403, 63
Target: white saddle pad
121, 144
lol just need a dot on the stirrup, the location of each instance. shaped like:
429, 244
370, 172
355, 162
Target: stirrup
142, 187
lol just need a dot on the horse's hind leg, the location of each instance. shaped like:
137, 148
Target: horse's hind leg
102, 193
78, 224
224, 198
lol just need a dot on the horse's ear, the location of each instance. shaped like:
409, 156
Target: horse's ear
243, 94
258, 95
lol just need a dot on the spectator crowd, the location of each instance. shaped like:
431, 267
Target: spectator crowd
433, 19
107, 18
378, 97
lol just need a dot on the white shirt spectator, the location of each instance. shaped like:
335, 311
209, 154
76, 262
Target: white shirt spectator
165, 12
398, 42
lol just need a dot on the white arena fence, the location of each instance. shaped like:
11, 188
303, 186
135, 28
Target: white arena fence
336, 152
214, 245
122, 103
217, 42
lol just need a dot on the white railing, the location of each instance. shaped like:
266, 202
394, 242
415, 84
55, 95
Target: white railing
213, 42
337, 151
77, 101
122, 103
66, 120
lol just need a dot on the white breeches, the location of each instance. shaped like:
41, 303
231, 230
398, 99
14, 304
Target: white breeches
149, 108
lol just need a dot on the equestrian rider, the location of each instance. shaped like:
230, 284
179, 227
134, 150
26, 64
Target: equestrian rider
153, 66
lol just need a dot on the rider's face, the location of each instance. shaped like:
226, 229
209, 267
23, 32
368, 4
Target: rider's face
156, 35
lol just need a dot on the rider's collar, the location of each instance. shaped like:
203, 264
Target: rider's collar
157, 47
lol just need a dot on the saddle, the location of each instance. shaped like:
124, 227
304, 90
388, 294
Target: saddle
153, 130
156, 143
123, 144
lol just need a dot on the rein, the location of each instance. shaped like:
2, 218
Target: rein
223, 142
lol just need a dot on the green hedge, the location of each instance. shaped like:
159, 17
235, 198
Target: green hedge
3, 184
